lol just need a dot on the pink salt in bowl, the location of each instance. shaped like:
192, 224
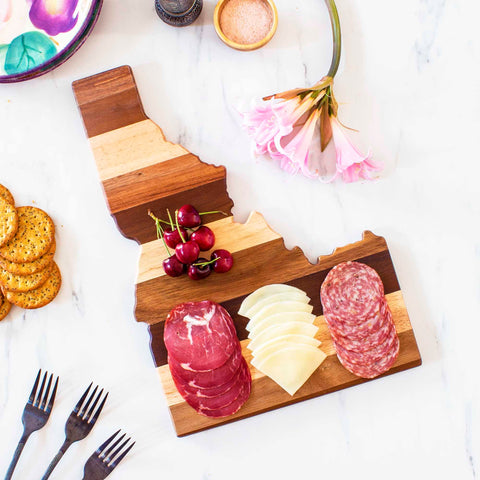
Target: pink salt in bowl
245, 24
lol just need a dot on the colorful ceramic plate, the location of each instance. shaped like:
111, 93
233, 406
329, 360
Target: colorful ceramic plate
37, 36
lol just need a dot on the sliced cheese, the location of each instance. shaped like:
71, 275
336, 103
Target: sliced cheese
283, 341
289, 328
291, 366
275, 308
264, 292
292, 296
279, 318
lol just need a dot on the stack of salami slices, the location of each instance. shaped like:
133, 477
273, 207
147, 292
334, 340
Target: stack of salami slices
359, 319
205, 358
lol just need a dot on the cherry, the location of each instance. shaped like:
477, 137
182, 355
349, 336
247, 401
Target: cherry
188, 216
172, 237
197, 272
187, 252
224, 261
173, 267
204, 237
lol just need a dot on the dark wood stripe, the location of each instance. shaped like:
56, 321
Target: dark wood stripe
187, 421
135, 223
161, 180
108, 101
162, 291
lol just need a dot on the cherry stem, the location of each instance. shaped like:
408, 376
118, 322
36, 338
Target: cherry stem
211, 213
203, 264
178, 226
160, 230
170, 218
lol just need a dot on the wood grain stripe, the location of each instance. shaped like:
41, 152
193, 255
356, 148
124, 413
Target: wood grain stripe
135, 223
113, 93
229, 235
331, 376
131, 148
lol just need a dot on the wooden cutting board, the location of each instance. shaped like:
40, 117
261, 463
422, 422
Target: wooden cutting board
140, 170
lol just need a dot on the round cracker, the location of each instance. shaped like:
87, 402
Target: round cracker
41, 296
34, 236
5, 307
23, 283
27, 268
8, 222
6, 195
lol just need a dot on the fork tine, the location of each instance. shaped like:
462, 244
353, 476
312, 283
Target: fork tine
40, 393
80, 402
95, 416
35, 386
47, 391
104, 445
89, 401
121, 457
108, 459
107, 452
52, 397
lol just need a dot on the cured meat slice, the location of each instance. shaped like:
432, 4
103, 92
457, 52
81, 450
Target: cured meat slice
207, 404
373, 355
236, 404
367, 342
375, 369
189, 387
352, 292
210, 378
200, 335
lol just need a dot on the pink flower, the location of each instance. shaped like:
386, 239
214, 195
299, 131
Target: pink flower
5, 10
351, 164
54, 16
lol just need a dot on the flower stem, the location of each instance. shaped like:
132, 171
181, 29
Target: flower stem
337, 37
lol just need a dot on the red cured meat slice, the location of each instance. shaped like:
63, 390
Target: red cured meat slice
367, 342
218, 402
189, 387
352, 292
375, 369
200, 335
211, 378
236, 404
373, 355
361, 330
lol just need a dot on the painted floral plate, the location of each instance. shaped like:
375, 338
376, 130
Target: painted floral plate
37, 36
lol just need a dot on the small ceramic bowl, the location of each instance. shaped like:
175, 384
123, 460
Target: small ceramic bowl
241, 46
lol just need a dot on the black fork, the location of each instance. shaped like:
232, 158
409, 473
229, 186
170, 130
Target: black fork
79, 423
107, 457
36, 414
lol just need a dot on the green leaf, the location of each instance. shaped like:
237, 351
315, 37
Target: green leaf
28, 51
3, 54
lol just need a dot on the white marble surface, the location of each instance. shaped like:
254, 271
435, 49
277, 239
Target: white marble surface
410, 82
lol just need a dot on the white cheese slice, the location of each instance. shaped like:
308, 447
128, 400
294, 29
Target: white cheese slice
292, 296
264, 292
279, 318
291, 366
283, 341
289, 328
277, 307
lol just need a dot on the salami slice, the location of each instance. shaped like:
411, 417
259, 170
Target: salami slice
237, 403
353, 292
210, 378
364, 341
373, 355
206, 404
200, 335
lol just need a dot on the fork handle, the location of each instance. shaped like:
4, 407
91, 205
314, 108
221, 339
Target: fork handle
56, 459
16, 456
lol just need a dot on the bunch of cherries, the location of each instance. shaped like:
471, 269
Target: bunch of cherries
189, 237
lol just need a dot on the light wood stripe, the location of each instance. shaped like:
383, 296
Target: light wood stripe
229, 235
400, 317
130, 148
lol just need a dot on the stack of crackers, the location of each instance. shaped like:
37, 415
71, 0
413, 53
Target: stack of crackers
29, 278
